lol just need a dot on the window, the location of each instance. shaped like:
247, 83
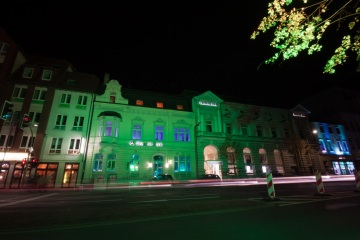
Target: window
56, 145
273, 132
259, 132
329, 145
39, 94
248, 161
182, 135
244, 129
179, 107
160, 105
82, 100
338, 143
136, 133
35, 117
98, 162
208, 126
134, 163
78, 123
65, 98
338, 130
287, 133
228, 128
60, 122
322, 145
28, 72
74, 147
108, 128
330, 129
139, 102
344, 143
2, 140
110, 163
263, 158
182, 164
46, 75
159, 133
27, 142
231, 159
3, 47
321, 128
19, 92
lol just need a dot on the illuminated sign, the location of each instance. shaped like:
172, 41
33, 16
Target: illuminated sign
210, 104
149, 144
298, 115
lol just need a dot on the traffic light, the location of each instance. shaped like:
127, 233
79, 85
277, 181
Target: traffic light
34, 162
24, 161
127, 166
25, 121
6, 110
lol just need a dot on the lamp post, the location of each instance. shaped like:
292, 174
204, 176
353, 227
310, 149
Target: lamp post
196, 150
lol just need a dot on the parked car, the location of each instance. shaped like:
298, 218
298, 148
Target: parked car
209, 176
159, 179
162, 177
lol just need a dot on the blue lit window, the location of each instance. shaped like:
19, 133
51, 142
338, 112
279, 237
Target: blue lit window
182, 135
346, 148
98, 162
322, 145
329, 145
159, 133
136, 133
134, 163
182, 164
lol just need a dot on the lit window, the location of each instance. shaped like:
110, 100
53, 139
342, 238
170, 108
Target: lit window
160, 105
136, 132
180, 107
46, 75
159, 133
134, 163
28, 72
139, 102
182, 164
74, 147
98, 162
182, 135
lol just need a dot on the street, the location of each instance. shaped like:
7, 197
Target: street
175, 212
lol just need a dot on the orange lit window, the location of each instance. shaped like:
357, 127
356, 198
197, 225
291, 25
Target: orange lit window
139, 102
159, 105
180, 107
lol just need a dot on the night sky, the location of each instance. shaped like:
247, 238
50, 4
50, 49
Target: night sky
169, 46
